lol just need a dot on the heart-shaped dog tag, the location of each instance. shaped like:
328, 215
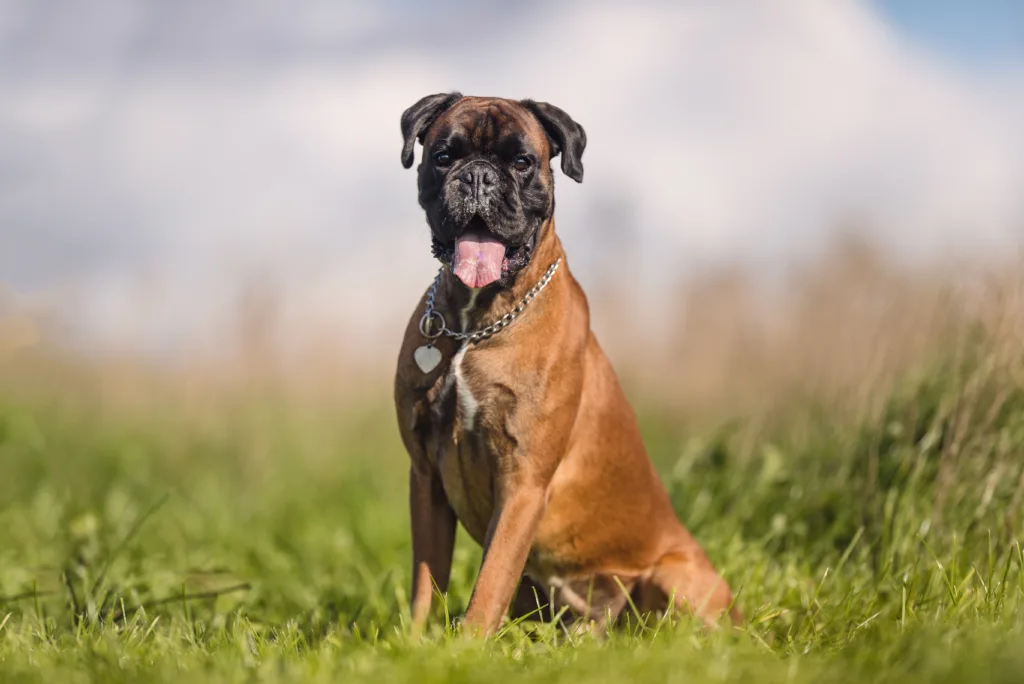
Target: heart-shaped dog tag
427, 357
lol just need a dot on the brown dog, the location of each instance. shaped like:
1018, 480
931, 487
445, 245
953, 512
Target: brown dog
522, 432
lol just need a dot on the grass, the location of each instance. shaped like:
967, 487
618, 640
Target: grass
261, 540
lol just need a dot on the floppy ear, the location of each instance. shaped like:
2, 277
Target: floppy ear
416, 121
567, 137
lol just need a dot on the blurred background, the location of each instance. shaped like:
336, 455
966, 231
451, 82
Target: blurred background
800, 235
768, 185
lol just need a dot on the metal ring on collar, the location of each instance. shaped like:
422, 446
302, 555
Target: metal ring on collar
425, 325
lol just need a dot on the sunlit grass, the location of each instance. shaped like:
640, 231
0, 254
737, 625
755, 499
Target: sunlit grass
264, 540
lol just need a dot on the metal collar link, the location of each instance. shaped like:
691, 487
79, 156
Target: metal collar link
483, 333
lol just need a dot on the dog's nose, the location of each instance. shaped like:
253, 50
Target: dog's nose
478, 179
479, 174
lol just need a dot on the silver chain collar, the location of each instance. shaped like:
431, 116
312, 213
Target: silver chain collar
483, 333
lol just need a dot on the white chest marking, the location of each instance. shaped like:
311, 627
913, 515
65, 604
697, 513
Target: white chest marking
464, 314
467, 402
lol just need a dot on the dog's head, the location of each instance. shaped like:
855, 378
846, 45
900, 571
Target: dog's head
485, 178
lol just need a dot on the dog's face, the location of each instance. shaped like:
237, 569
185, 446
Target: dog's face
485, 179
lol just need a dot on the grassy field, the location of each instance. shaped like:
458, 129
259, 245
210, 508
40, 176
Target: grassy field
260, 538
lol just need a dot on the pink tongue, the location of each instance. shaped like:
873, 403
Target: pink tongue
478, 259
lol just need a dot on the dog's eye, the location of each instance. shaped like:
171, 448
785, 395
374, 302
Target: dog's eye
442, 159
522, 163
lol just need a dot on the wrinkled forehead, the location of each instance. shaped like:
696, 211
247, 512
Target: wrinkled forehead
490, 123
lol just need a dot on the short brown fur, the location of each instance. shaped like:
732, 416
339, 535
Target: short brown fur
549, 473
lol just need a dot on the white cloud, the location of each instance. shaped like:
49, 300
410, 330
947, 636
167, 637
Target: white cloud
736, 131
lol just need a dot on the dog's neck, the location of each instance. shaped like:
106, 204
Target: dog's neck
468, 309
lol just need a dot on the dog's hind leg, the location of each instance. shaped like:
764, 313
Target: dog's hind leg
687, 575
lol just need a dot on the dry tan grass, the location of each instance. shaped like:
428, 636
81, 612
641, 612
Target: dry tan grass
839, 332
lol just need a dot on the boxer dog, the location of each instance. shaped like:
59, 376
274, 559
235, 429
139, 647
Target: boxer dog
513, 418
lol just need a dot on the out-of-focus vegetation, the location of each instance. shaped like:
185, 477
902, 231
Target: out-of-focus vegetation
853, 466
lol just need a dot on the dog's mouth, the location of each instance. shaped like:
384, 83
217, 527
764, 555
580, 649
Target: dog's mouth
479, 258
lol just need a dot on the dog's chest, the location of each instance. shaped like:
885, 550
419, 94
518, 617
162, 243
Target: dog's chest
467, 440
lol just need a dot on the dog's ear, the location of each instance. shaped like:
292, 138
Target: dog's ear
567, 137
416, 121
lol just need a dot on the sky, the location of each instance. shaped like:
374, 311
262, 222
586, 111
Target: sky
984, 33
162, 159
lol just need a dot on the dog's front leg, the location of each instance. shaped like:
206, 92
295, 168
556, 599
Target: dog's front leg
433, 540
511, 533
